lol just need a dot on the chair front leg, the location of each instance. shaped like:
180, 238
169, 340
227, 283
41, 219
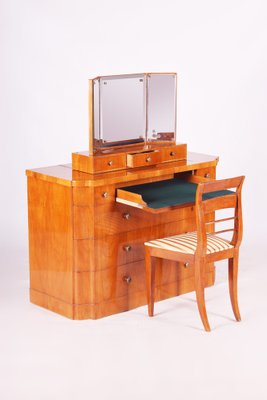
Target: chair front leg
232, 279
150, 281
200, 294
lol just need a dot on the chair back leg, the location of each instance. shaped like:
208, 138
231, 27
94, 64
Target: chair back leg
232, 279
150, 280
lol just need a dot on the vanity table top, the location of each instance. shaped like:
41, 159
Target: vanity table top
65, 175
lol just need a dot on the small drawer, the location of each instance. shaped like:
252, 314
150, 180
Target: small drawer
143, 159
174, 153
207, 173
112, 162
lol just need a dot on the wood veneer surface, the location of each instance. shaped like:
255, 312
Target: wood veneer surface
64, 174
77, 238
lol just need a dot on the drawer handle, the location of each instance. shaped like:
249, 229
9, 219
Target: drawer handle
127, 248
110, 163
148, 159
186, 264
105, 195
207, 175
127, 279
126, 215
172, 153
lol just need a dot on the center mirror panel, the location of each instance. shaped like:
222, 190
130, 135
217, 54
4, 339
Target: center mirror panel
119, 110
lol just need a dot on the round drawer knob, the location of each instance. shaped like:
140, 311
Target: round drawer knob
127, 248
126, 215
172, 153
127, 279
110, 163
105, 195
148, 159
186, 265
207, 175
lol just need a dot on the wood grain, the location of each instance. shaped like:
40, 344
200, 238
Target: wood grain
86, 256
134, 156
65, 175
143, 159
50, 239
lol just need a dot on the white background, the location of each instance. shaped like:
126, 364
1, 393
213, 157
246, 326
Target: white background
48, 51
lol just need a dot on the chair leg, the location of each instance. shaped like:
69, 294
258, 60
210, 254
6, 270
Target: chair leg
232, 278
150, 281
200, 294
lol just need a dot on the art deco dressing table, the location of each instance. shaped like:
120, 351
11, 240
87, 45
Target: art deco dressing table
88, 220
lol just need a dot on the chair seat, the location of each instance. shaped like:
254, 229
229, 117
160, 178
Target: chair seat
187, 243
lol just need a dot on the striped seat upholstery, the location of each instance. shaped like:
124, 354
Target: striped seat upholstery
187, 243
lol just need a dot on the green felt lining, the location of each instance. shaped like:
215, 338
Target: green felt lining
170, 192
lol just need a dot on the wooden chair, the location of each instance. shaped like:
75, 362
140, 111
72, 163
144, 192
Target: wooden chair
200, 247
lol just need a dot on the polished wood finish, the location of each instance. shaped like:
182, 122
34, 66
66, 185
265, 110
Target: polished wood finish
50, 239
86, 250
173, 153
198, 164
143, 158
132, 156
200, 258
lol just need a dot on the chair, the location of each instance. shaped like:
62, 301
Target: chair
201, 247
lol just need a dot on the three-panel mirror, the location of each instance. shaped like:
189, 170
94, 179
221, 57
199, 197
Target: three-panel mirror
129, 109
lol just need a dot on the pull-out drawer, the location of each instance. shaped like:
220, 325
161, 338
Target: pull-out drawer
157, 197
145, 158
109, 163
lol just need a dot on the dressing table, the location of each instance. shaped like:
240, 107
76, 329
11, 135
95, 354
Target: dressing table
88, 220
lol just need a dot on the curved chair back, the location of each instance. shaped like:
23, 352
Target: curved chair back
226, 199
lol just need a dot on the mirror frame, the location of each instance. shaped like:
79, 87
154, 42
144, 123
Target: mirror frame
94, 145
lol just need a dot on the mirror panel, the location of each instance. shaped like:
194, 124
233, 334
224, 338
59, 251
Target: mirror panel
161, 107
122, 109
137, 108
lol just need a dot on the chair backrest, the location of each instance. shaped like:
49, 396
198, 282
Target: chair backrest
221, 198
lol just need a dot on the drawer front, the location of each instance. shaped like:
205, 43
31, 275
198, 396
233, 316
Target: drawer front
129, 246
116, 218
97, 286
133, 299
112, 250
110, 162
120, 281
206, 172
123, 248
143, 159
173, 153
122, 218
